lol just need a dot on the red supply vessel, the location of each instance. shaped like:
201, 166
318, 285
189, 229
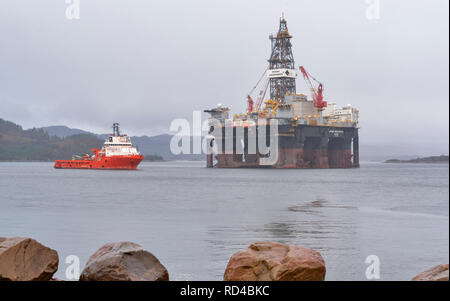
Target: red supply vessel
117, 153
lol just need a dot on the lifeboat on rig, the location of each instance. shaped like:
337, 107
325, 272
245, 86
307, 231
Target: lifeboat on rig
117, 153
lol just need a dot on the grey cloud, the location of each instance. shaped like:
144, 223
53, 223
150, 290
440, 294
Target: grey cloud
144, 63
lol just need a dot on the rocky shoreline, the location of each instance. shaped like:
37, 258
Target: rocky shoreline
25, 259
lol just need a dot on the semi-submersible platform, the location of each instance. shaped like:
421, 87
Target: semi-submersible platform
311, 133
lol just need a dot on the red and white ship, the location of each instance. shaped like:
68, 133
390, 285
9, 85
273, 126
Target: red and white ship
117, 153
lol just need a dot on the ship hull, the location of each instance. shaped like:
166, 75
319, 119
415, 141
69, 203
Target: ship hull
302, 146
114, 162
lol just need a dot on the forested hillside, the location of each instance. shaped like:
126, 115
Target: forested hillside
17, 144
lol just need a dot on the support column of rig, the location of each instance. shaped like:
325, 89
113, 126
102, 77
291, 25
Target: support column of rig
356, 151
282, 72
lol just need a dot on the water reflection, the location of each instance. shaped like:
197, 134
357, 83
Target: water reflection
321, 224
315, 206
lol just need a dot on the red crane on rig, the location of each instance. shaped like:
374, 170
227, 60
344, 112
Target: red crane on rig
316, 95
252, 106
250, 103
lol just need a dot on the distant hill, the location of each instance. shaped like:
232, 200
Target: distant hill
432, 159
62, 131
61, 142
158, 146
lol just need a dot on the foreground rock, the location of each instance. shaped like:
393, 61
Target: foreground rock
272, 261
123, 261
24, 259
438, 273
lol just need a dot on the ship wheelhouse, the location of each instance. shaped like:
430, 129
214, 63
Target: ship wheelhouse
118, 145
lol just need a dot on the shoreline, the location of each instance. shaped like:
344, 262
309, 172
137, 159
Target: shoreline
442, 159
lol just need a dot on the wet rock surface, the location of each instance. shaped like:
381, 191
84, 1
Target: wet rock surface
123, 261
437, 273
25, 259
272, 261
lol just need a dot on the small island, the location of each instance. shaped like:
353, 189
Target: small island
432, 159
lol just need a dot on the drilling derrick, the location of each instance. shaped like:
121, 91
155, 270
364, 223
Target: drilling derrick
281, 72
301, 132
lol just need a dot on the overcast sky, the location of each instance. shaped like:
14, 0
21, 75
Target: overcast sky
144, 63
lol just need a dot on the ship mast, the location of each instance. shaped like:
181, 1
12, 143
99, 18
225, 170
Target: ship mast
116, 131
282, 72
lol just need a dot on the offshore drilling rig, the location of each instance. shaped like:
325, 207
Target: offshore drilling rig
311, 133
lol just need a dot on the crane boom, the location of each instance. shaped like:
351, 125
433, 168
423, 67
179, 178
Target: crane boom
262, 94
316, 95
251, 104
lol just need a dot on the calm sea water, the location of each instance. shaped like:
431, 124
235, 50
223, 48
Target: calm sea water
193, 218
